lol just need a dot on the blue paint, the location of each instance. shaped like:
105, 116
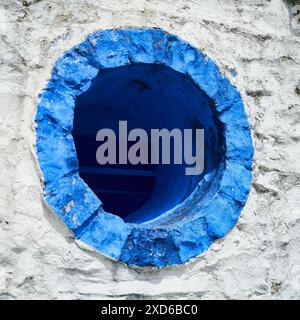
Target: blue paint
146, 96
183, 227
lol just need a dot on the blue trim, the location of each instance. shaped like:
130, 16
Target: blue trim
190, 228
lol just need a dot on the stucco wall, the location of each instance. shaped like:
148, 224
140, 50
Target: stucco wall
253, 44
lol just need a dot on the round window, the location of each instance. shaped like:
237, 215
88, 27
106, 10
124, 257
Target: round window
110, 96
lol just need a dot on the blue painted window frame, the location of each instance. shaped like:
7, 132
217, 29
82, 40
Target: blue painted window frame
179, 234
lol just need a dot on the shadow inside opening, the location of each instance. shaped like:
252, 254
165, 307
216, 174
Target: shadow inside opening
147, 96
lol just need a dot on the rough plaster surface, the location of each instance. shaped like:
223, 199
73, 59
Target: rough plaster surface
253, 44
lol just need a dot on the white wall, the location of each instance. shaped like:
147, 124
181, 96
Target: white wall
260, 257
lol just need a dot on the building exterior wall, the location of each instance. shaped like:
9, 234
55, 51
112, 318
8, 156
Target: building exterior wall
255, 46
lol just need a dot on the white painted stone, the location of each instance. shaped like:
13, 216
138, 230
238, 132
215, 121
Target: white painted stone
260, 257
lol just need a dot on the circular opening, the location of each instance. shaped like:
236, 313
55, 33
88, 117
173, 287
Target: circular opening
147, 96
129, 75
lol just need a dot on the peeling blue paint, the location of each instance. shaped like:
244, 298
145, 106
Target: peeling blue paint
181, 233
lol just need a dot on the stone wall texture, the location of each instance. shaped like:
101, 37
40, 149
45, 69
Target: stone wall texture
255, 47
